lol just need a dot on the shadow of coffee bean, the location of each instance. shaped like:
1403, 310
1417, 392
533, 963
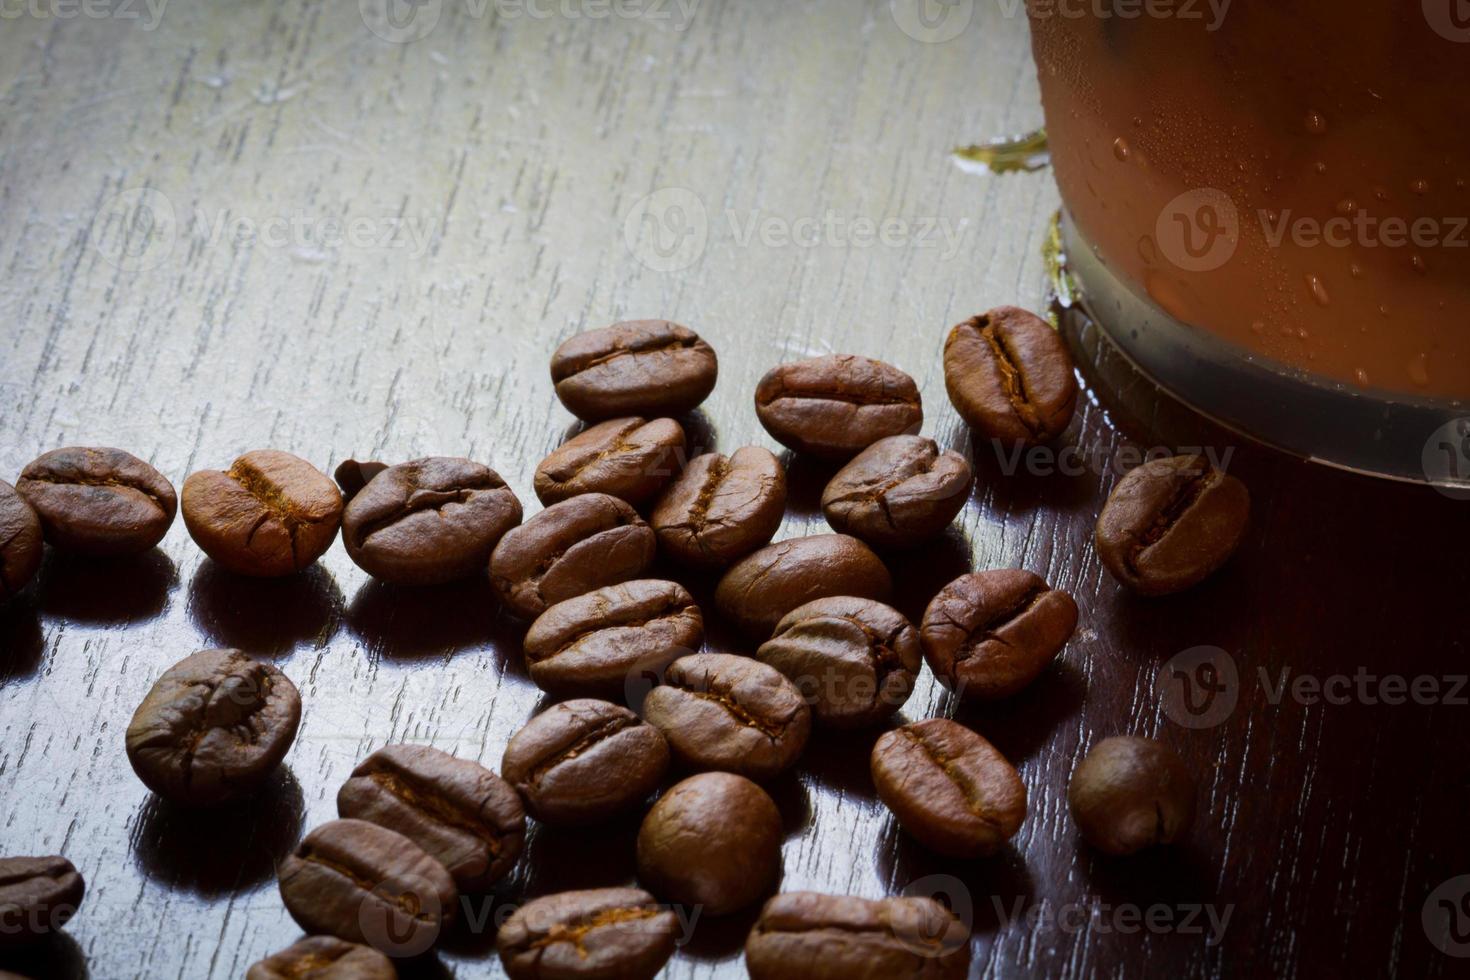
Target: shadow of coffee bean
21, 639
559, 859
839, 761
721, 937
426, 967
919, 574
1024, 724
83, 589
806, 478
700, 435
402, 622
265, 617
57, 957
792, 800
985, 893
1174, 875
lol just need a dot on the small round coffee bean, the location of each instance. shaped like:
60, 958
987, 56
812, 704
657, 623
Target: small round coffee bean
734, 714
989, 634
712, 841
324, 958
38, 896
632, 459
721, 509
639, 367
807, 936
429, 521
1131, 793
367, 884
597, 934
949, 788
270, 514
352, 475
213, 728
102, 502
1171, 523
594, 644
568, 550
20, 542
899, 492
1010, 377
835, 406
853, 660
581, 762
762, 588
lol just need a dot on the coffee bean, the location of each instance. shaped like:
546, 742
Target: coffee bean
568, 550
1171, 523
832, 407
38, 896
632, 459
352, 475
584, 761
721, 509
949, 788
20, 542
271, 514
853, 660
429, 521
101, 502
1010, 377
599, 934
899, 492
367, 884
462, 814
324, 958
1131, 793
762, 588
989, 634
640, 367
213, 728
712, 841
730, 713
806, 936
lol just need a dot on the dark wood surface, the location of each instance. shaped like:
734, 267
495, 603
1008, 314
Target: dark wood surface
508, 154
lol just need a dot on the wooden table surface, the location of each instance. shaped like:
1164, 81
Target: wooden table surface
263, 224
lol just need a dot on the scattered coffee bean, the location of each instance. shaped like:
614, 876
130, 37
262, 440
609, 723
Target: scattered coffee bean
632, 459
989, 634
270, 514
1171, 523
949, 788
582, 762
1010, 377
712, 841
730, 713
213, 728
853, 660
721, 509
429, 521
324, 958
599, 934
100, 502
596, 644
899, 492
806, 936
762, 588
568, 550
1131, 793
352, 475
38, 896
20, 542
832, 407
640, 367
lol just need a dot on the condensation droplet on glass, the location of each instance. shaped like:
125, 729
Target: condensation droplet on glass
1417, 261
1258, 327
1361, 376
1419, 186
1347, 206
1316, 123
1121, 149
1355, 270
1319, 290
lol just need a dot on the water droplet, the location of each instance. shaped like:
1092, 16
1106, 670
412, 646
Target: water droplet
1318, 290
1419, 186
1419, 370
1347, 206
1320, 166
1355, 270
1316, 123
1121, 149
1361, 376
1258, 327
1417, 261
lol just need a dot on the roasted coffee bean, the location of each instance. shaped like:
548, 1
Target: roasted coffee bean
1131, 793
1171, 523
835, 406
352, 475
429, 521
762, 588
20, 542
806, 936
730, 713
598, 934
853, 660
721, 509
568, 550
632, 459
213, 728
38, 896
367, 884
101, 502
989, 634
899, 492
581, 762
1010, 377
324, 958
462, 814
949, 788
594, 644
640, 367
712, 841
270, 514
